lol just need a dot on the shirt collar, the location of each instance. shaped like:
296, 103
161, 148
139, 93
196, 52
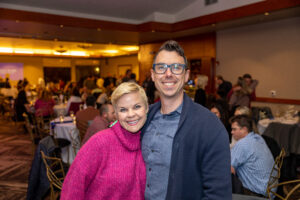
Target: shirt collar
177, 111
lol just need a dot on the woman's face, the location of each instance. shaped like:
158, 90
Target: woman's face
216, 111
131, 112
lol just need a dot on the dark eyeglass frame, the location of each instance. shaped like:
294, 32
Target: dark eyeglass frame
171, 66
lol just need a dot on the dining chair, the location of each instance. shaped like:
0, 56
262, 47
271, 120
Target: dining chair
32, 130
74, 106
55, 173
275, 175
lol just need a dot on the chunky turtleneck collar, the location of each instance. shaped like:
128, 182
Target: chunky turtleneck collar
130, 141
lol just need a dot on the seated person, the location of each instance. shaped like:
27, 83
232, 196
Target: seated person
100, 122
44, 104
75, 97
251, 159
88, 114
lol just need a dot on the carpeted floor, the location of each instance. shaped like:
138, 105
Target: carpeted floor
16, 155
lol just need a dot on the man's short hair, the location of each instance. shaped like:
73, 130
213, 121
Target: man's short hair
247, 76
127, 88
172, 45
104, 108
90, 100
243, 121
219, 77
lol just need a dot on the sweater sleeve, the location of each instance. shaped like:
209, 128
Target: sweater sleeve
82, 171
216, 167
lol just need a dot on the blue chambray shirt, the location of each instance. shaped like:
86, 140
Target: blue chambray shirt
253, 161
157, 150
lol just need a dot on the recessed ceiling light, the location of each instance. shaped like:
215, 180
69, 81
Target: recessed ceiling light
61, 26
266, 13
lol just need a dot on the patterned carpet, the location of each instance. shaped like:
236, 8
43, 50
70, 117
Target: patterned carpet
16, 155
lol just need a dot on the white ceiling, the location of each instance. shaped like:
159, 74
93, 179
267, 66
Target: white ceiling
126, 11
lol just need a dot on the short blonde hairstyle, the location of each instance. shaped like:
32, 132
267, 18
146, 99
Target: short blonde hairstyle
126, 88
244, 110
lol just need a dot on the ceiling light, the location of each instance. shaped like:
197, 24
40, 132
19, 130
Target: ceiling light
61, 26
266, 13
78, 53
130, 48
23, 51
6, 50
110, 51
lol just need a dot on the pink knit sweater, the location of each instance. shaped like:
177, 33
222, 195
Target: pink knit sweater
108, 166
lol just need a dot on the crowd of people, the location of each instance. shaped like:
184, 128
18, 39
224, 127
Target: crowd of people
136, 144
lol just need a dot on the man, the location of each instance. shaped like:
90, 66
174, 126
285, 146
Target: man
251, 158
86, 115
223, 86
107, 115
185, 147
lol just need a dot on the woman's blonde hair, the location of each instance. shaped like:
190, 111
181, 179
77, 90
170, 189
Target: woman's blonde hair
126, 88
244, 110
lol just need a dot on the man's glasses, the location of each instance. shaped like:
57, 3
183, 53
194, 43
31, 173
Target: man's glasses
176, 68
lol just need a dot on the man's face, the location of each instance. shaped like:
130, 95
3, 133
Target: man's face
168, 84
218, 81
248, 81
237, 131
110, 116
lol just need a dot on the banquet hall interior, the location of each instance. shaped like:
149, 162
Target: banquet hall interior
51, 47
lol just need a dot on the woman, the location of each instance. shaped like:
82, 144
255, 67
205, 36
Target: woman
222, 113
110, 164
44, 105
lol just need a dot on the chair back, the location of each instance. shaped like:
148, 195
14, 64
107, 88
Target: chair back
75, 106
55, 173
275, 173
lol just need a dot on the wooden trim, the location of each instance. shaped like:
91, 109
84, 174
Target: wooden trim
276, 100
235, 13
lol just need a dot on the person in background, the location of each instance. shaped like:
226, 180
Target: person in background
221, 112
200, 95
84, 116
100, 122
21, 105
149, 87
44, 104
184, 145
75, 97
251, 84
127, 75
251, 159
223, 87
110, 165
240, 95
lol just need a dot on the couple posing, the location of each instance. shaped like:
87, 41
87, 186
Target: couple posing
183, 153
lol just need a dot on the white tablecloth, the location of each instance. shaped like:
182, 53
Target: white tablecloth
60, 109
67, 130
264, 123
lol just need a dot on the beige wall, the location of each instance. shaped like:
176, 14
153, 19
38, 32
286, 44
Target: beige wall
33, 66
109, 66
270, 52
